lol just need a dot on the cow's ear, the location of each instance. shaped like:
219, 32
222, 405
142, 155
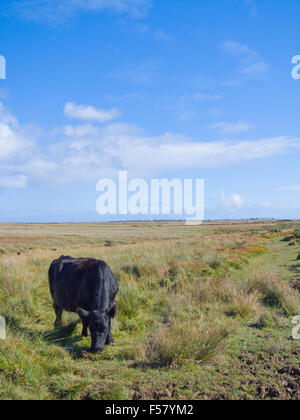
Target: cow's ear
84, 315
113, 311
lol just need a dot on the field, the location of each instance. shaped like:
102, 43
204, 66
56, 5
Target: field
204, 312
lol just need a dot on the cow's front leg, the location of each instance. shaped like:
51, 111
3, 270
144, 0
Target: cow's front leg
58, 311
109, 338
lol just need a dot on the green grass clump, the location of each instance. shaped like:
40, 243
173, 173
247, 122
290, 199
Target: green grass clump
178, 342
130, 300
275, 291
268, 319
243, 303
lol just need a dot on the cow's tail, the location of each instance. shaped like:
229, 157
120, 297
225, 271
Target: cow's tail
51, 278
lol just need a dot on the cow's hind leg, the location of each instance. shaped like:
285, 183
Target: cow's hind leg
85, 325
58, 311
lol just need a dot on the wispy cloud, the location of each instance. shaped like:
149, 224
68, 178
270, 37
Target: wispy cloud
249, 61
13, 182
58, 11
295, 188
188, 106
144, 73
206, 97
124, 97
237, 49
233, 201
90, 113
256, 68
136, 27
238, 127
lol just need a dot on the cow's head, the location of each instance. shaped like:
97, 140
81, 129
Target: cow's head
98, 323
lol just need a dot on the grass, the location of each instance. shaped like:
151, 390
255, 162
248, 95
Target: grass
243, 303
275, 291
192, 300
178, 342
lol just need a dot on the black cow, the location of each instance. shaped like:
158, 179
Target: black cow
88, 287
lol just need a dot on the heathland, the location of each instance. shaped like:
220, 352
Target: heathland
204, 312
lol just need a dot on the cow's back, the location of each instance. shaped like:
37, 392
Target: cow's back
74, 282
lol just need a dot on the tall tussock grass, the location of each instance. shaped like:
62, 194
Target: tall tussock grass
18, 286
238, 299
248, 297
276, 292
129, 299
178, 342
243, 303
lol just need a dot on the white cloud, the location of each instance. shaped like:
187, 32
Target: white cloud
13, 140
171, 151
233, 201
79, 153
89, 113
9, 141
238, 127
58, 11
6, 117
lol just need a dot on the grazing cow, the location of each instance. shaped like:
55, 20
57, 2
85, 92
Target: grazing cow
88, 287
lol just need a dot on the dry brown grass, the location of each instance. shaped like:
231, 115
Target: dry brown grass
243, 303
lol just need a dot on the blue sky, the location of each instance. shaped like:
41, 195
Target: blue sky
170, 88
